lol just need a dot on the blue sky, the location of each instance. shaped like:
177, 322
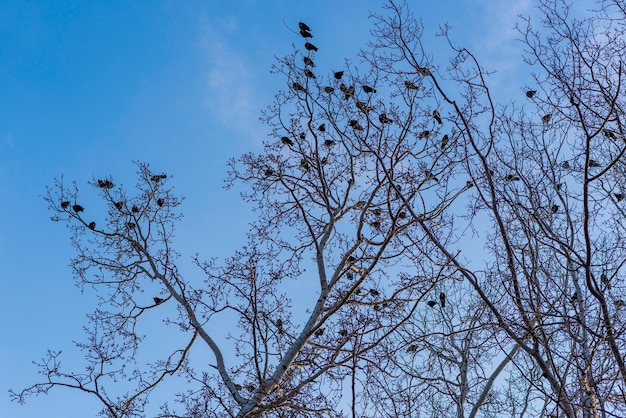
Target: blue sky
88, 87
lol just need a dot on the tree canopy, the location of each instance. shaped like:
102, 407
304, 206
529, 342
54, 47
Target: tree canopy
419, 248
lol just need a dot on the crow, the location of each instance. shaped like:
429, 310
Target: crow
329, 89
410, 85
310, 47
119, 205
511, 177
329, 143
546, 118
531, 93
105, 184
308, 61
424, 134
160, 201
158, 177
298, 87
593, 163
432, 303
368, 89
157, 300
304, 164
338, 75
78, 208
92, 225
286, 141
305, 34
65, 204
442, 299
565, 164
135, 209
303, 26
363, 107
322, 127
309, 73
343, 332
609, 134
618, 196
437, 117
554, 208
382, 118
444, 141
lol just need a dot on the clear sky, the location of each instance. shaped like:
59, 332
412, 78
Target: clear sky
88, 87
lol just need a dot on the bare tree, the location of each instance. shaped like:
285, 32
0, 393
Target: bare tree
355, 293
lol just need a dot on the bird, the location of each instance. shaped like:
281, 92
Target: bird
412, 348
437, 116
512, 177
304, 164
593, 163
554, 208
531, 93
368, 89
324, 161
65, 204
158, 177
444, 141
431, 176
432, 303
410, 85
565, 164
302, 136
329, 143
105, 184
347, 91
424, 134
160, 201
609, 134
546, 118
119, 205
303, 26
618, 196
329, 89
269, 172
558, 186
382, 118
350, 275
442, 299
375, 293
78, 208
130, 225
286, 141
310, 47
343, 332
574, 297
308, 61
363, 107
135, 209
157, 300
305, 34
92, 225
298, 87
338, 75
309, 73
402, 215
355, 125
279, 324
469, 184
376, 224
322, 127
319, 332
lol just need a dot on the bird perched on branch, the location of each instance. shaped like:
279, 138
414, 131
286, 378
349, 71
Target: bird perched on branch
531, 93
382, 118
410, 85
78, 208
338, 75
437, 116
310, 47
512, 177
157, 300
298, 87
442, 299
305, 34
308, 61
65, 204
303, 26
105, 184
368, 89
286, 141
432, 303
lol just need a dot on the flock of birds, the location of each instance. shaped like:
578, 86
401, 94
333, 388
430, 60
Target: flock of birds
108, 184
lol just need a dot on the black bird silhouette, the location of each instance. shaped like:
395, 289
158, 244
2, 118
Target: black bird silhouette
363, 107
160, 201
432, 303
410, 85
437, 117
298, 87
609, 134
618, 196
329, 143
574, 297
531, 93
308, 61
593, 163
554, 208
105, 184
355, 125
130, 225
303, 26
309, 73
511, 177
347, 91
402, 215
546, 118
343, 332
302, 136
92, 225
310, 47
565, 164
305, 34
304, 164
368, 89
444, 141
424, 134
382, 118
431, 176
375, 293
322, 127
158, 177
338, 75
269, 172
135, 209
319, 332
469, 184
157, 300
442, 299
279, 324
324, 161
119, 205
329, 89
65, 204
78, 208
286, 141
